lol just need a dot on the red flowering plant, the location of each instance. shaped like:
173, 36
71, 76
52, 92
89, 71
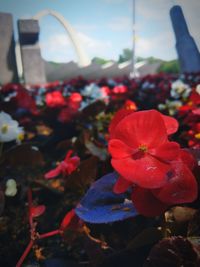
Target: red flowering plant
148, 162
119, 91
65, 167
70, 221
55, 99
190, 114
70, 110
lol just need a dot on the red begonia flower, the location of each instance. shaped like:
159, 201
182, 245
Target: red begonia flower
55, 99
196, 111
146, 203
75, 97
140, 150
66, 167
120, 89
25, 100
181, 187
128, 108
188, 159
121, 185
119, 115
171, 124
105, 90
195, 98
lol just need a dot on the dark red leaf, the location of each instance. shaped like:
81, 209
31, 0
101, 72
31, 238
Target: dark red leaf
37, 211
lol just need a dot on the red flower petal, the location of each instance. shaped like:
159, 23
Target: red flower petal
188, 159
147, 171
196, 111
54, 99
119, 150
181, 188
119, 115
146, 203
53, 173
68, 155
142, 128
121, 185
75, 161
69, 165
167, 151
171, 124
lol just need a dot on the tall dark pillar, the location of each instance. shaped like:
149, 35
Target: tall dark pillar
188, 53
33, 64
8, 67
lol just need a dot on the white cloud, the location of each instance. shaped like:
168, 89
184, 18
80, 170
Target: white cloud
59, 48
92, 43
161, 46
114, 1
120, 24
85, 27
155, 10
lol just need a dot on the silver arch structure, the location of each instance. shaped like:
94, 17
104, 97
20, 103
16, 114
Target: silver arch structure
83, 59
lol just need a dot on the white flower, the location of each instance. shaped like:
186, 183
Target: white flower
93, 91
180, 89
11, 188
198, 89
171, 106
9, 129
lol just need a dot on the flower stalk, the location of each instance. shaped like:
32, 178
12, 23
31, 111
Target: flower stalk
34, 235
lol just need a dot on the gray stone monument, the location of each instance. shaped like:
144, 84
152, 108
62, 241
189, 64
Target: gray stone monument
188, 54
8, 67
33, 64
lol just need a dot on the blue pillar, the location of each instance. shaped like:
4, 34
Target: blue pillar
188, 53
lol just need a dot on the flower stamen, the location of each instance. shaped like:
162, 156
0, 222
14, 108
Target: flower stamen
143, 148
4, 128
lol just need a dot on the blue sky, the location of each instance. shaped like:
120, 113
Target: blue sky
104, 27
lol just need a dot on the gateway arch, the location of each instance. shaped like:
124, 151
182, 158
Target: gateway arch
83, 59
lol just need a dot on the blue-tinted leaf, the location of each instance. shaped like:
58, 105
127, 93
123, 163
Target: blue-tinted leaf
101, 205
59, 263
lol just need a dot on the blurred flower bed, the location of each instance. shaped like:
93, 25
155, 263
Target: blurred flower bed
71, 195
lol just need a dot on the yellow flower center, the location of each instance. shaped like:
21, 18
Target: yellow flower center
20, 137
197, 136
4, 128
143, 148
